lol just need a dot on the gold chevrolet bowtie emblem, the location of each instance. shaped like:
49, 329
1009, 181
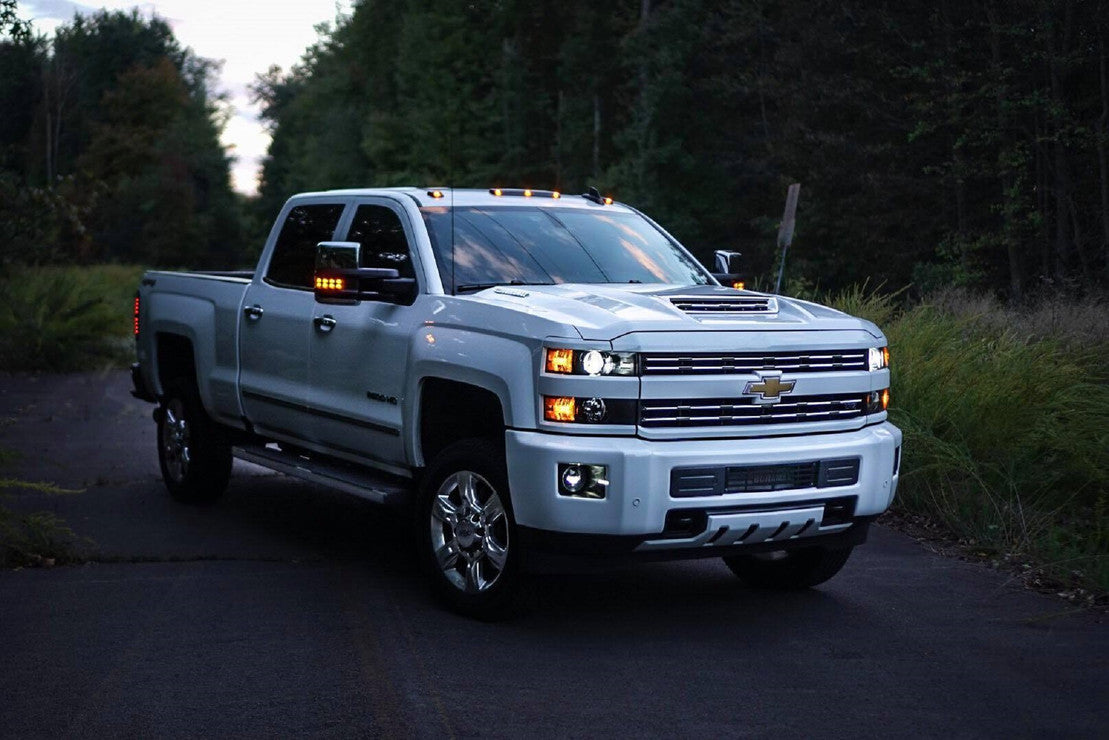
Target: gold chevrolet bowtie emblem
769, 389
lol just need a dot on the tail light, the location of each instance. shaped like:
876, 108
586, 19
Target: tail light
135, 317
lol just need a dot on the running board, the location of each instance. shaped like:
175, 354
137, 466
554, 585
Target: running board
378, 487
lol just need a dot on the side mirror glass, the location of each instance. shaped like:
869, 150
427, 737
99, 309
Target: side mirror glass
337, 255
726, 270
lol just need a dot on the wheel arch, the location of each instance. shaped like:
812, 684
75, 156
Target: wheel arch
450, 410
175, 359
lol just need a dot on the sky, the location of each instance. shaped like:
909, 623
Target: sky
248, 37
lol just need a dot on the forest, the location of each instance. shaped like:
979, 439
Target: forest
938, 144
109, 147
951, 155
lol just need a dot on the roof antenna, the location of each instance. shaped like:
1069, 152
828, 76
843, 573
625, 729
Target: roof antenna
594, 195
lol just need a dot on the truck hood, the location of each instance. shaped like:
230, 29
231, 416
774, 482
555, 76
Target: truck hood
608, 311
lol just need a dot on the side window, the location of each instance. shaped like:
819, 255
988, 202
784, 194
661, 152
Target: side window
378, 229
293, 264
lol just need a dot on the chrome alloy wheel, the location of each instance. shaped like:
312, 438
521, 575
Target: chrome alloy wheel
469, 532
175, 440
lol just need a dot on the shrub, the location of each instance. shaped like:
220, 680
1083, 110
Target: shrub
1006, 422
71, 318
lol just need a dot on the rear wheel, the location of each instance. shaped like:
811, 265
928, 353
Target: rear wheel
789, 569
466, 530
193, 452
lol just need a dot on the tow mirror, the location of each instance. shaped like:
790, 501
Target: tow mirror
726, 268
337, 255
339, 279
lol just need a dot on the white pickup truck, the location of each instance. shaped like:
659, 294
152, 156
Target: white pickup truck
535, 373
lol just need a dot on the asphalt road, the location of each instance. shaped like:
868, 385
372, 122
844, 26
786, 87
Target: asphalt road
286, 609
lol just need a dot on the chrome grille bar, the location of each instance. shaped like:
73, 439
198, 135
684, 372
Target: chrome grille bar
659, 363
744, 412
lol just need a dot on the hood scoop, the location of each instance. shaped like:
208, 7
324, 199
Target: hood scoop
742, 304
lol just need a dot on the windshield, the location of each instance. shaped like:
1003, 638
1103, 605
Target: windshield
530, 246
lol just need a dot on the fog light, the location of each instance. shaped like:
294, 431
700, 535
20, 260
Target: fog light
582, 480
573, 480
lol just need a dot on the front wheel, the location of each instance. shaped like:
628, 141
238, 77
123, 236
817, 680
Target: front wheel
466, 530
789, 569
193, 452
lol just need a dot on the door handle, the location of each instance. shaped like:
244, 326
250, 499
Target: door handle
253, 312
324, 323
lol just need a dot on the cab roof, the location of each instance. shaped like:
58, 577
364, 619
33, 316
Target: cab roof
475, 197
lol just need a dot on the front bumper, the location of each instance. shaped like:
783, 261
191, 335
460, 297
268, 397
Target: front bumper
638, 498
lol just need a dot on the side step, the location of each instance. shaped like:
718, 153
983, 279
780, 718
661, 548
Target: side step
369, 484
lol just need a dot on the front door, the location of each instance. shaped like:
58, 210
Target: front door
359, 353
274, 330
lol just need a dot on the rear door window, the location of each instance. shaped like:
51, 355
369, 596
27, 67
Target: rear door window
293, 263
380, 232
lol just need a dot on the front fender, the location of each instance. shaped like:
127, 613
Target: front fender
502, 365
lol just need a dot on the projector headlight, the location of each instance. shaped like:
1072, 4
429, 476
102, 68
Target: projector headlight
590, 362
878, 358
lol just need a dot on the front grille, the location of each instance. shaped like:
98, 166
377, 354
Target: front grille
677, 363
730, 304
684, 412
693, 482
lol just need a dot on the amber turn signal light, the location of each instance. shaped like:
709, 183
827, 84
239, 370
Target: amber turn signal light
325, 283
560, 361
558, 408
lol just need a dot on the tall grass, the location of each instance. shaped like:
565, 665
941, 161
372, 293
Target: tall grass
1006, 422
66, 318
36, 538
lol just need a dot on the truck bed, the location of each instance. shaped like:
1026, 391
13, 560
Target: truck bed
203, 307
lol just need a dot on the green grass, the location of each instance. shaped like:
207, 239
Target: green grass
66, 318
37, 538
1006, 422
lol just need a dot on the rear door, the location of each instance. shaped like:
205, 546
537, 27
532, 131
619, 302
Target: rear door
275, 323
359, 352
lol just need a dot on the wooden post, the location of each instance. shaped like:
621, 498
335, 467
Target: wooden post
785, 230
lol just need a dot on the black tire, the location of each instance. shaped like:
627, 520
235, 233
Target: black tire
193, 451
471, 552
791, 569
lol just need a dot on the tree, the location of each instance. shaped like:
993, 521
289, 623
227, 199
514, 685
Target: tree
111, 133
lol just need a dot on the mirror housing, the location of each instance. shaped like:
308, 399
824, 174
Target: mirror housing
339, 279
726, 268
726, 261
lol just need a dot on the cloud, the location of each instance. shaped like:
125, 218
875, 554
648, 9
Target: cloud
60, 9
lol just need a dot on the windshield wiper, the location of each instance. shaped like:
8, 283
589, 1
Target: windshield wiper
472, 287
